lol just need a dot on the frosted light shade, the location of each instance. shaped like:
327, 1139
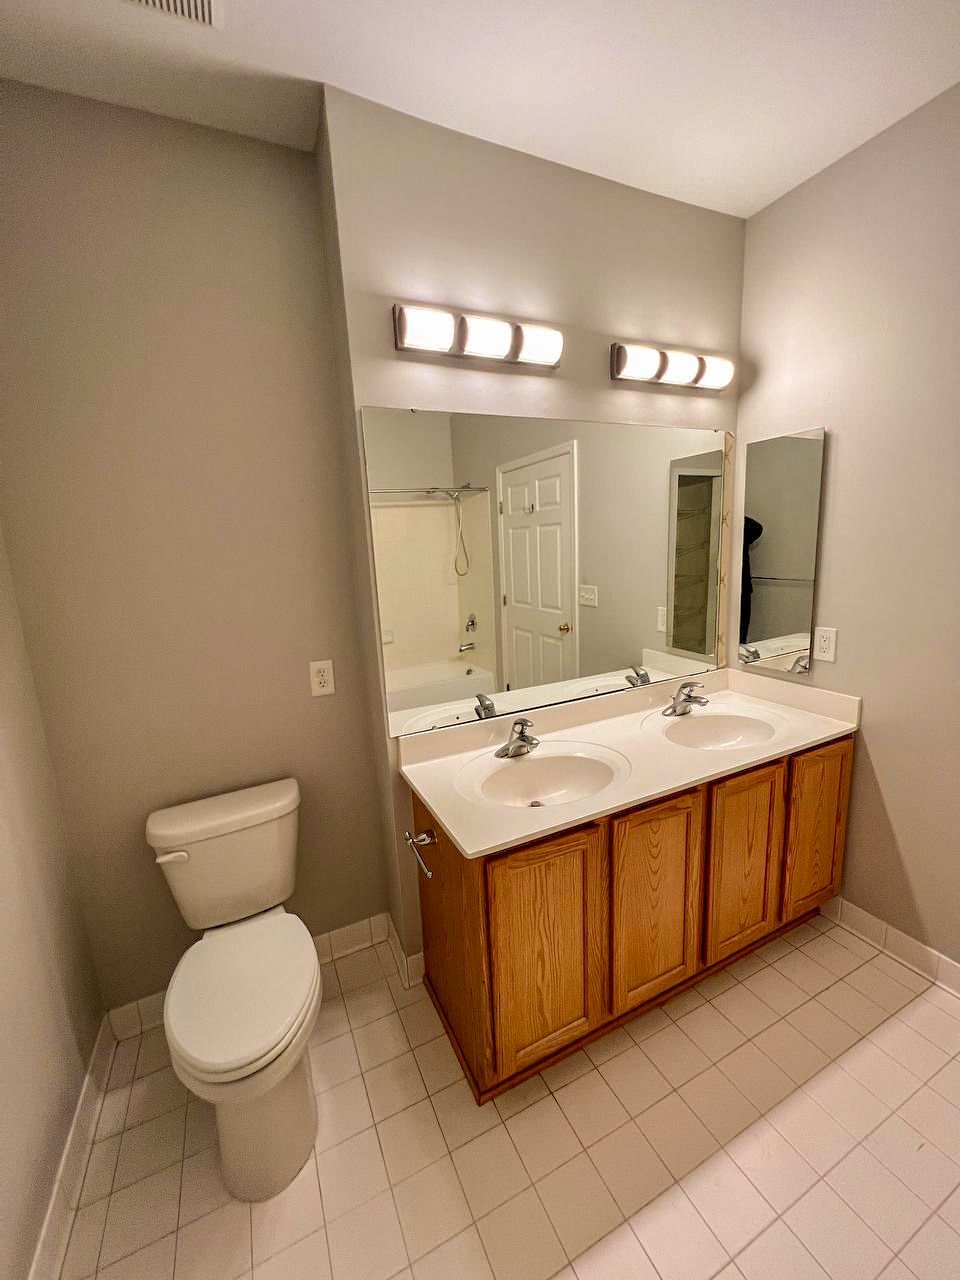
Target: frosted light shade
682, 368
425, 329
539, 344
483, 336
717, 373
639, 364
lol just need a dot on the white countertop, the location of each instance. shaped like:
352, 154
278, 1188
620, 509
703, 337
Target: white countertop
630, 724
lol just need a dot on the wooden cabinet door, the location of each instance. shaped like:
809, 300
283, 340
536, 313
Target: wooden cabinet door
657, 898
548, 914
816, 826
745, 859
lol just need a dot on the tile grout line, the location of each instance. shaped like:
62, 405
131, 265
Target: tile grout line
779, 1018
822, 1178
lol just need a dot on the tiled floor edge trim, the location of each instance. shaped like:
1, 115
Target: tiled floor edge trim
931, 964
65, 1194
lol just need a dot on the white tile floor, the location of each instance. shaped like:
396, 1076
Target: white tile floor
796, 1117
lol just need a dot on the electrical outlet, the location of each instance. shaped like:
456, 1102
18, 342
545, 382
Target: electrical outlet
662, 617
588, 595
321, 678
825, 644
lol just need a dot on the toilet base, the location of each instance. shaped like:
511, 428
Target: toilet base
264, 1143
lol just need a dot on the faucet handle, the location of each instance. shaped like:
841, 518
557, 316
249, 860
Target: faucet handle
522, 725
690, 684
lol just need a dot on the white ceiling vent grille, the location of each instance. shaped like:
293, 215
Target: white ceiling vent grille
205, 12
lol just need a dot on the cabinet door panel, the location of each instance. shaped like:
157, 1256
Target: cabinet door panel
817, 825
657, 882
746, 855
548, 922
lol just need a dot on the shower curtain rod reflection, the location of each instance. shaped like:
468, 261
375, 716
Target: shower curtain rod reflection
443, 490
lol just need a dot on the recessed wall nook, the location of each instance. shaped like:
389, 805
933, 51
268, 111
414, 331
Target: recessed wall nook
476, 634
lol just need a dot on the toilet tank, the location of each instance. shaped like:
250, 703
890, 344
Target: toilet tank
229, 856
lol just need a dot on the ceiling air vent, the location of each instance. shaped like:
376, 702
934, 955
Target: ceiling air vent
206, 12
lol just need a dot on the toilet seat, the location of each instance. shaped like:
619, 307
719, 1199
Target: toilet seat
240, 995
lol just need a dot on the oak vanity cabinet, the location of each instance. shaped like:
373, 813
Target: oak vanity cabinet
816, 827
453, 912
746, 856
530, 952
657, 860
547, 909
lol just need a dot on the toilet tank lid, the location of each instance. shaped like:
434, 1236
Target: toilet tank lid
219, 815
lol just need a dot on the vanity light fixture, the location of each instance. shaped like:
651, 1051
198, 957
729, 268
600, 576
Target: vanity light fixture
717, 373
423, 329
417, 328
682, 368
638, 363
483, 336
635, 363
539, 344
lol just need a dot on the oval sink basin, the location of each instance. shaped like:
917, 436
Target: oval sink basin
555, 773
718, 732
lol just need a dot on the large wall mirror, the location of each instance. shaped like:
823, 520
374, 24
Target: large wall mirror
781, 508
526, 561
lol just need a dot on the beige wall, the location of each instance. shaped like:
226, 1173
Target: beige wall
174, 498
851, 314
48, 1005
427, 214
408, 450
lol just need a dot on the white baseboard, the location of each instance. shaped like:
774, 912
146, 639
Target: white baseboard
410, 967
931, 964
65, 1197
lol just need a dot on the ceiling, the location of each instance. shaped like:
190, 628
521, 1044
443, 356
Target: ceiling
723, 103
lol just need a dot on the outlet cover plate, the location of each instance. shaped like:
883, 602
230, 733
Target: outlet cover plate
661, 617
825, 644
321, 678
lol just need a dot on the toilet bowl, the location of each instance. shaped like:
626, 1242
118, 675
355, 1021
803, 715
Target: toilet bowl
238, 1016
242, 1003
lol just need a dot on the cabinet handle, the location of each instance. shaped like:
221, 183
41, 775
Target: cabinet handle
418, 839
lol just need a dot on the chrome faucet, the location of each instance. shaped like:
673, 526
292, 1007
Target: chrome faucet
801, 664
640, 676
748, 653
468, 647
520, 743
485, 710
684, 701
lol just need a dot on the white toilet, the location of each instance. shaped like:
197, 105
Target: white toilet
242, 1002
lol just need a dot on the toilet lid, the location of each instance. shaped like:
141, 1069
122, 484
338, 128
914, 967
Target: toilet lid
239, 993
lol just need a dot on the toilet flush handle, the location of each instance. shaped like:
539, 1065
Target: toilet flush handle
178, 855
